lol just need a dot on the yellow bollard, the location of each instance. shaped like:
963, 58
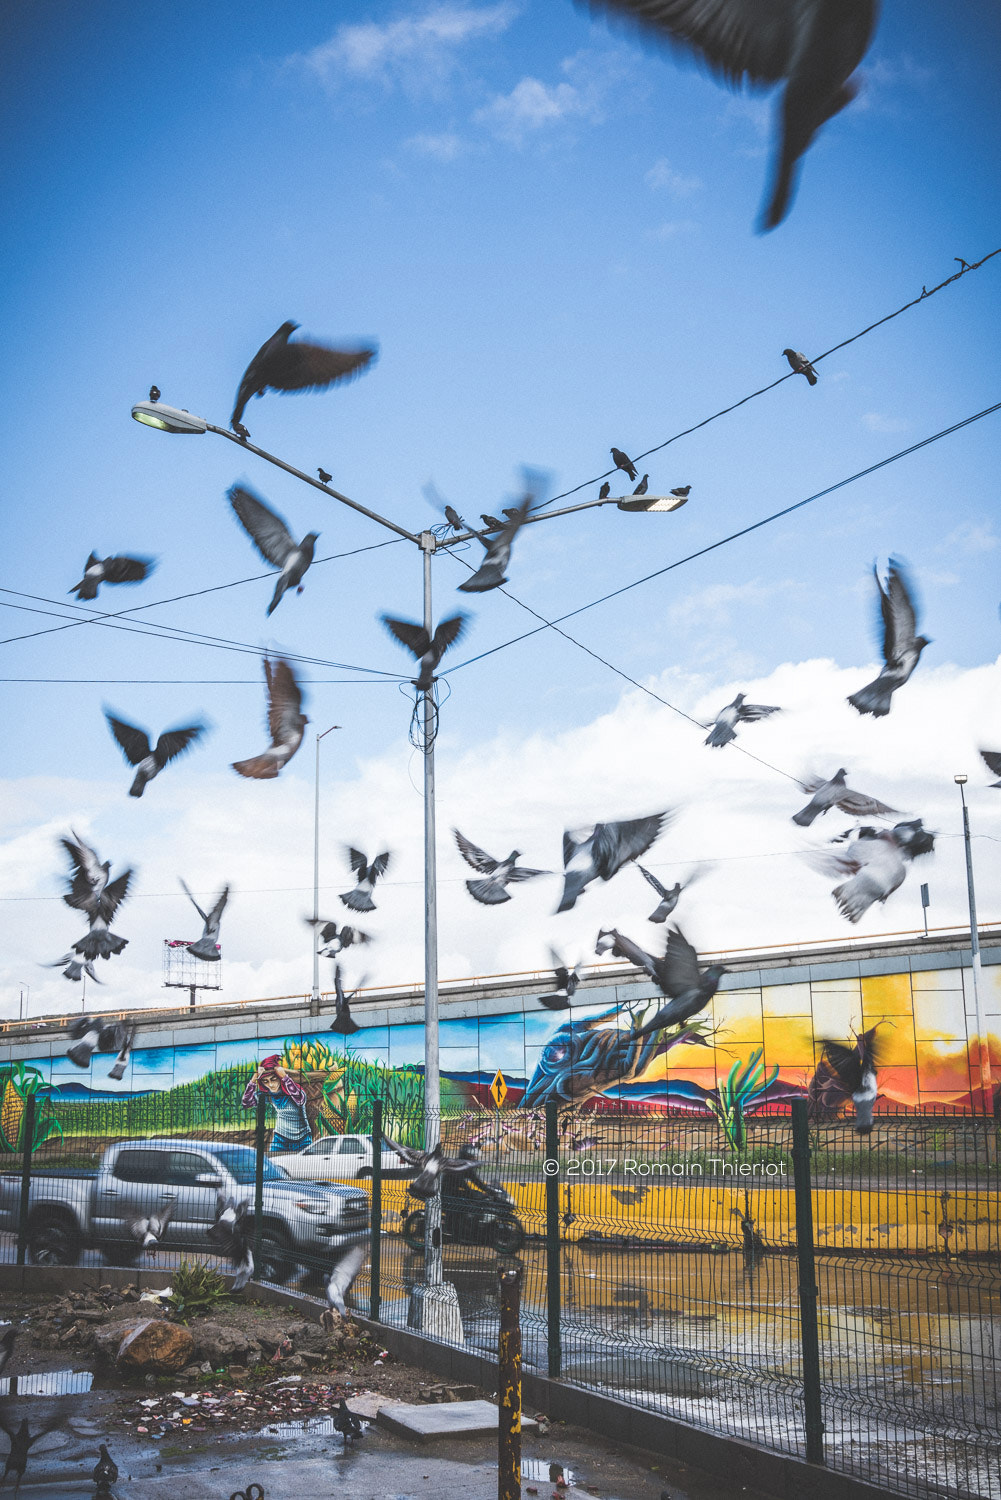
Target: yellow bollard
509, 1386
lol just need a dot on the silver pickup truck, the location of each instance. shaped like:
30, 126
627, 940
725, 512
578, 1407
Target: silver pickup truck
303, 1223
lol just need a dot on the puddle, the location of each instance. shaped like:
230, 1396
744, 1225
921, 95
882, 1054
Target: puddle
312, 1427
48, 1383
541, 1468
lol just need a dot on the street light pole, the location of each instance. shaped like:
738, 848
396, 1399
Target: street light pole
983, 1046
314, 1001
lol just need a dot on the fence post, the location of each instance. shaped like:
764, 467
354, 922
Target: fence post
552, 1180
260, 1124
509, 1384
375, 1253
28, 1127
809, 1337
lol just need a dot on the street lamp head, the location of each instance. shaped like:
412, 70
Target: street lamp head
650, 502
167, 418
960, 780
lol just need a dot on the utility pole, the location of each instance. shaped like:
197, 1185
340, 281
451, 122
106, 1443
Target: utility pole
983, 1052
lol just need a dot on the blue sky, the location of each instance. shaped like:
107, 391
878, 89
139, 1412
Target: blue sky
549, 232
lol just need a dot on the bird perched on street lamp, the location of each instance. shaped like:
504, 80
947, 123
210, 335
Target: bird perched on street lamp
282, 366
273, 540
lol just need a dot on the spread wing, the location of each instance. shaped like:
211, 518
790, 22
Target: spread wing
194, 903
134, 742
127, 569
755, 711
680, 966
661, 891
406, 1153
357, 861
312, 367
174, 741
284, 700
380, 864
448, 633
813, 784
861, 806
473, 855
990, 758
113, 895
522, 872
414, 637
215, 915
87, 873
266, 529
846, 1063
574, 839
897, 609
748, 40
624, 947
616, 843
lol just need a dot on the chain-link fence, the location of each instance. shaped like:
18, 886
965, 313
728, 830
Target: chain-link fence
822, 1292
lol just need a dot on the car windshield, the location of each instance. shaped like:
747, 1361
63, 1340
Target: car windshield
241, 1161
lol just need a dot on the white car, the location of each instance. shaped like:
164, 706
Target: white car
335, 1156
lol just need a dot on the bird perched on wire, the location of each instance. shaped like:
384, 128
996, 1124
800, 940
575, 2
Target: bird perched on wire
22, 1440
429, 1165
346, 1423
343, 1276
282, 366
901, 647
599, 851
854, 1069
722, 730
491, 522
677, 975
231, 1234
332, 939
643, 485
286, 723
7, 1340
836, 793
149, 762
273, 540
498, 873
669, 896
624, 462
800, 365
492, 570
992, 760
875, 862
343, 1023
567, 981
207, 946
105, 1471
323, 476
118, 569
813, 45
428, 649
368, 872
149, 1230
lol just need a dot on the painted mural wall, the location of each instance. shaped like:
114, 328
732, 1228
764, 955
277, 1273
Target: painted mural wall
756, 1047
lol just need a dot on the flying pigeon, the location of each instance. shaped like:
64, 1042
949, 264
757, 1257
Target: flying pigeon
677, 974
854, 1068
599, 851
286, 723
624, 462
207, 946
360, 899
814, 45
722, 729
282, 366
105, 1471
73, 968
428, 649
343, 1023
125, 1035
800, 365
98, 898
274, 541
149, 762
7, 1339
499, 872
346, 1423
121, 569
643, 485
22, 1440
333, 939
149, 1230
90, 877
876, 863
91, 1035
100, 942
343, 1276
835, 793
429, 1166
567, 981
605, 491
992, 760
683, 491
901, 647
232, 1235
323, 476
154, 394
491, 572
669, 897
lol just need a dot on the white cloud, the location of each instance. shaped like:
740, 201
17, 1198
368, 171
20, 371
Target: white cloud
877, 421
973, 537
533, 107
672, 228
662, 176
418, 49
444, 147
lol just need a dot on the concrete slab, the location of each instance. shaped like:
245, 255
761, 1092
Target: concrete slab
450, 1419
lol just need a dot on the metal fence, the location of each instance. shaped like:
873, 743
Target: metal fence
820, 1292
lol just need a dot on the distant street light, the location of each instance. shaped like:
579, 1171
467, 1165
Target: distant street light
314, 1004
983, 1045
434, 1305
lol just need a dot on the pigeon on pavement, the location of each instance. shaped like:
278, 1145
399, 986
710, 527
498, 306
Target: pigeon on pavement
836, 793
901, 647
368, 872
120, 569
282, 366
677, 974
428, 649
814, 45
800, 365
599, 851
669, 896
855, 1069
343, 1276
286, 723
231, 1235
207, 946
105, 1471
491, 572
499, 872
567, 981
149, 762
346, 1423
274, 541
149, 1229
992, 760
875, 862
722, 730
624, 462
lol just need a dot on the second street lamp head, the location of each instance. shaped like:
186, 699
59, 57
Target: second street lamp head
167, 418
650, 502
960, 780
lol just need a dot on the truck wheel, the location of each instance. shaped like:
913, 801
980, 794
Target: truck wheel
413, 1229
276, 1264
364, 1172
508, 1236
119, 1253
53, 1240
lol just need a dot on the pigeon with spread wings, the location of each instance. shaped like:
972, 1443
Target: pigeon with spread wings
368, 872
280, 365
853, 1070
492, 570
567, 981
429, 1165
835, 792
723, 728
147, 760
498, 873
428, 649
22, 1440
119, 569
207, 946
599, 851
149, 1230
874, 863
677, 974
901, 646
273, 541
286, 723
669, 895
231, 1234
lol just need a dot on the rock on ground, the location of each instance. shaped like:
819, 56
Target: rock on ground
157, 1347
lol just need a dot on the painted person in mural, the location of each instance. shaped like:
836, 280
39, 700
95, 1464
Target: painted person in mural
287, 1098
